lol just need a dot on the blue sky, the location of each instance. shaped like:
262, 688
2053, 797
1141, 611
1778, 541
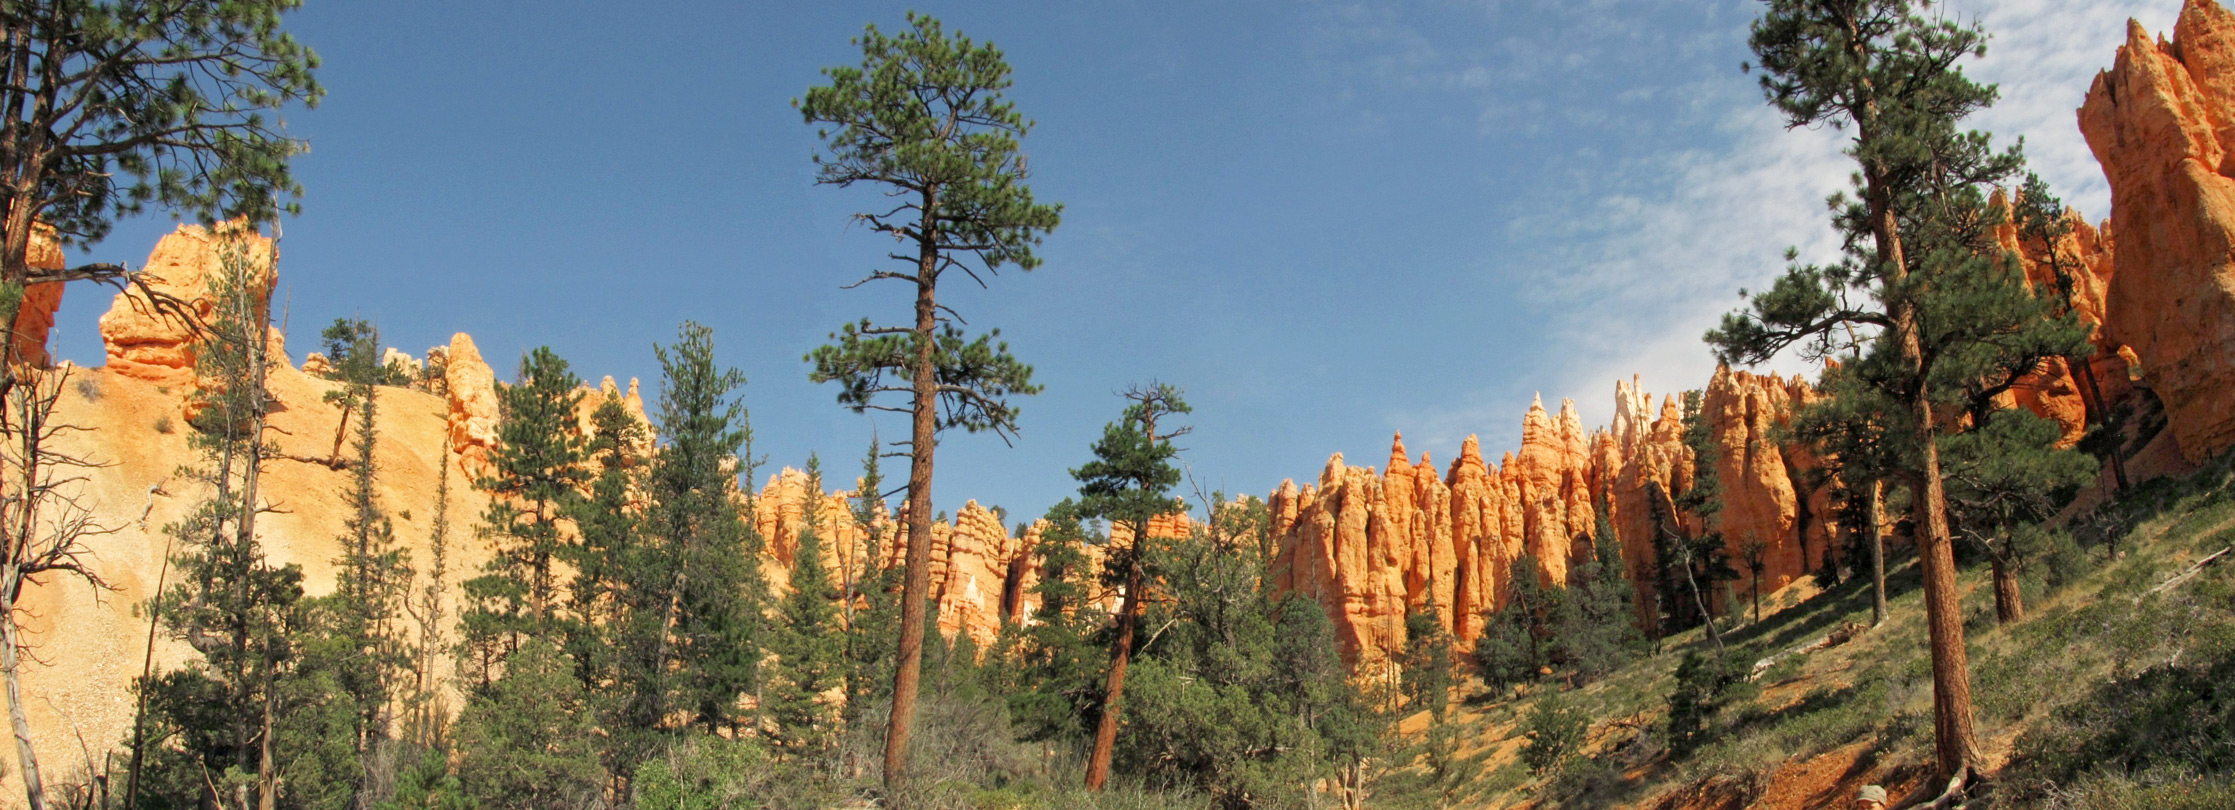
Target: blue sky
1325, 221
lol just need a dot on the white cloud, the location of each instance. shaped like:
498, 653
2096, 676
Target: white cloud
2044, 54
1657, 247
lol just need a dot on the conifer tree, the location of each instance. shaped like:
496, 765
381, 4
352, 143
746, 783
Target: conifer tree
1945, 308
1058, 660
710, 595
1684, 559
427, 715
526, 742
2043, 224
811, 645
1592, 629
1512, 649
871, 609
1129, 482
111, 106
601, 623
1429, 667
924, 120
1243, 696
230, 604
372, 575
536, 472
1848, 425
2002, 479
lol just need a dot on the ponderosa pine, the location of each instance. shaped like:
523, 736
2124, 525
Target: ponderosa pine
923, 119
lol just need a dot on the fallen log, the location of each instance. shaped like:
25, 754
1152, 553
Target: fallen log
2186, 575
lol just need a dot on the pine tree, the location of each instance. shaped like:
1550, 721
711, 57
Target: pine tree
230, 604
1129, 482
1430, 672
707, 582
871, 610
2003, 479
427, 714
526, 742
115, 105
1244, 695
1700, 560
924, 118
2043, 224
372, 575
1512, 649
1849, 427
536, 473
1941, 305
1592, 631
811, 645
1058, 659
601, 623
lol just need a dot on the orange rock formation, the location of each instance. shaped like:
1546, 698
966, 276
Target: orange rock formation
2161, 121
144, 343
35, 316
1371, 546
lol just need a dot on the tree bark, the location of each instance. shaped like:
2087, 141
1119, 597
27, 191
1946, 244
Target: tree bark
2009, 603
1121, 654
1876, 520
1956, 743
26, 758
267, 775
916, 582
2093, 391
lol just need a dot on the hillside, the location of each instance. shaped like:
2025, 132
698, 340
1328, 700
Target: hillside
2100, 697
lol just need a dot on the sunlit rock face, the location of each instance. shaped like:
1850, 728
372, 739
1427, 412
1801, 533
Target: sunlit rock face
2161, 122
145, 342
35, 316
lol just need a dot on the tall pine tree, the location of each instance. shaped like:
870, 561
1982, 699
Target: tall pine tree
923, 119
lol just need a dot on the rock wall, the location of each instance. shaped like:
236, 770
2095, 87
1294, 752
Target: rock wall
1374, 545
2161, 122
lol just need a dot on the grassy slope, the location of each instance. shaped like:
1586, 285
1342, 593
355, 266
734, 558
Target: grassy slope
2095, 699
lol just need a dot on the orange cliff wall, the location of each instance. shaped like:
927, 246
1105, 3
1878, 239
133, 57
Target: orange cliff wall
2161, 122
1371, 546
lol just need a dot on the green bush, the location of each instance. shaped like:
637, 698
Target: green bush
705, 773
1556, 732
1705, 683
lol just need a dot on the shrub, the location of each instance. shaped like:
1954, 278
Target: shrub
1556, 731
1705, 683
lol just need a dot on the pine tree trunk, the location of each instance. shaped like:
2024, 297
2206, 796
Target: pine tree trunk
1877, 553
1121, 654
267, 775
26, 758
2097, 408
916, 582
15, 255
1956, 744
2009, 604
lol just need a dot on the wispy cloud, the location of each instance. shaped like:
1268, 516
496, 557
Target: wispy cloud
1646, 253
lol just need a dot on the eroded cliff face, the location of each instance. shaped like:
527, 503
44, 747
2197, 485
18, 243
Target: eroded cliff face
2161, 121
1372, 546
